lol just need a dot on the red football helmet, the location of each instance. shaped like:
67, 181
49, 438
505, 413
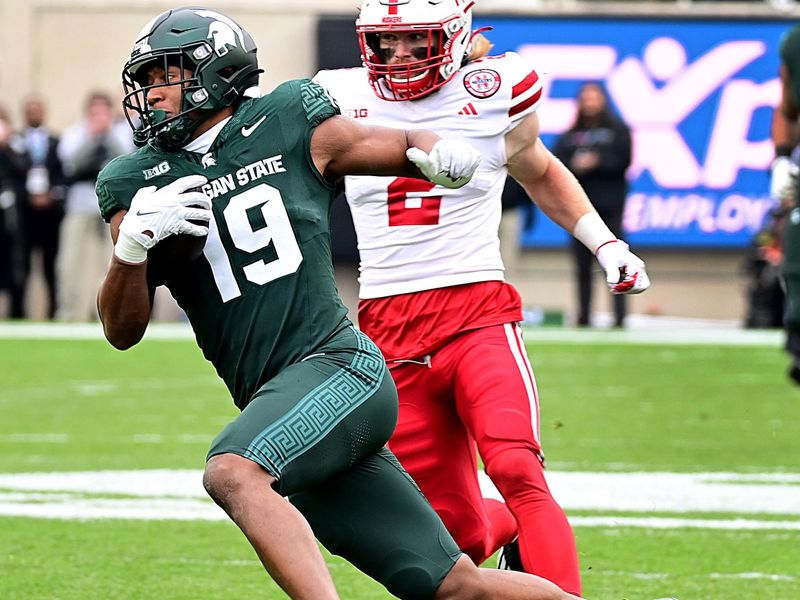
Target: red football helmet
434, 34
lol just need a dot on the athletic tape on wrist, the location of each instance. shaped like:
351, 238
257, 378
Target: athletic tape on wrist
592, 232
129, 250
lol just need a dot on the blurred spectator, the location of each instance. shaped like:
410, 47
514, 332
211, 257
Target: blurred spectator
597, 149
85, 148
765, 296
41, 200
13, 166
518, 214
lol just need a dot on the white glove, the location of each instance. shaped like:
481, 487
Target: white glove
155, 214
783, 182
625, 272
450, 164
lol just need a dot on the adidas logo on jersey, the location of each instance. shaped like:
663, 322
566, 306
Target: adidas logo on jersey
469, 110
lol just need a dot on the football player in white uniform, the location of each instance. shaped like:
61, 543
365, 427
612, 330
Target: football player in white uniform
432, 291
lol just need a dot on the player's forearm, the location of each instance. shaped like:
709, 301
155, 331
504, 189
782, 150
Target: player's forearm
124, 303
422, 139
785, 133
558, 194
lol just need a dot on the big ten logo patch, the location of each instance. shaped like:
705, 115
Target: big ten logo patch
356, 113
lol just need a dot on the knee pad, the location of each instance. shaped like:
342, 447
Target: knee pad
516, 471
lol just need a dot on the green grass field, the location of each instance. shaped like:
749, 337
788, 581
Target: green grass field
609, 409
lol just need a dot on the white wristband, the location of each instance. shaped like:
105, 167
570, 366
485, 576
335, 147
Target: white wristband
129, 250
592, 232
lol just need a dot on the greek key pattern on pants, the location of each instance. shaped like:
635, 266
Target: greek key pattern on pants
319, 411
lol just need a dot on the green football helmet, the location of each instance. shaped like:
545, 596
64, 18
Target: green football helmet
217, 60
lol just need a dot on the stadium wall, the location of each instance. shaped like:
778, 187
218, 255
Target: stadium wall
63, 49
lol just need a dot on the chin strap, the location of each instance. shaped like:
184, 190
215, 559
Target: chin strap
144, 132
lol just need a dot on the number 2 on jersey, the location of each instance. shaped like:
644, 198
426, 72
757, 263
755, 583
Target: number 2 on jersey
414, 210
278, 231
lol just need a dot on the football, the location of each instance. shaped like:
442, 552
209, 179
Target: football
171, 255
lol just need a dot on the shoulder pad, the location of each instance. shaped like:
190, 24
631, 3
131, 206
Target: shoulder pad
123, 176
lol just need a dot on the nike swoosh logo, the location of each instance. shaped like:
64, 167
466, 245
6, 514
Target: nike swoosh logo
246, 131
144, 214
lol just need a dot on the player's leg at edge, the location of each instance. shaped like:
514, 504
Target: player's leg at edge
286, 546
279, 534
468, 582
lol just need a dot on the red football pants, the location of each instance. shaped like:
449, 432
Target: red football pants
480, 389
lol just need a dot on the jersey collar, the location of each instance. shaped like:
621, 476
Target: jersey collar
202, 143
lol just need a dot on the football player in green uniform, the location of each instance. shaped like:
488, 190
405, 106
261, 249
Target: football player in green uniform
256, 176
784, 187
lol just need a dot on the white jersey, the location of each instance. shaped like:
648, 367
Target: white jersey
415, 236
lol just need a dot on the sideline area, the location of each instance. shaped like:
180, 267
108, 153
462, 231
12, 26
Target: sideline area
640, 330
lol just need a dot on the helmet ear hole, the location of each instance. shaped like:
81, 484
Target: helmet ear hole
227, 73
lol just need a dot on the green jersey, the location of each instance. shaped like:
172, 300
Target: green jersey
263, 294
790, 56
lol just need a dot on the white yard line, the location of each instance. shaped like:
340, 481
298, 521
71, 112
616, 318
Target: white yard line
677, 336
182, 509
667, 523
647, 333
36, 438
179, 494
767, 576
676, 492
769, 493
87, 331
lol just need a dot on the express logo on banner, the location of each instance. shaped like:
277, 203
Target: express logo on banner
482, 83
698, 102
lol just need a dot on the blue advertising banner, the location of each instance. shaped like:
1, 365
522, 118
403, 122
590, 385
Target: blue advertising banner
698, 96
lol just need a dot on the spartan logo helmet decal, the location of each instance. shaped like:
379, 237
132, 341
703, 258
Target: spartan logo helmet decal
222, 32
221, 36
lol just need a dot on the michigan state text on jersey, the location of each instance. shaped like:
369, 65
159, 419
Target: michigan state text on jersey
270, 225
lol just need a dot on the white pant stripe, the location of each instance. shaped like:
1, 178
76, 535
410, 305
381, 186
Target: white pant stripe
517, 347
